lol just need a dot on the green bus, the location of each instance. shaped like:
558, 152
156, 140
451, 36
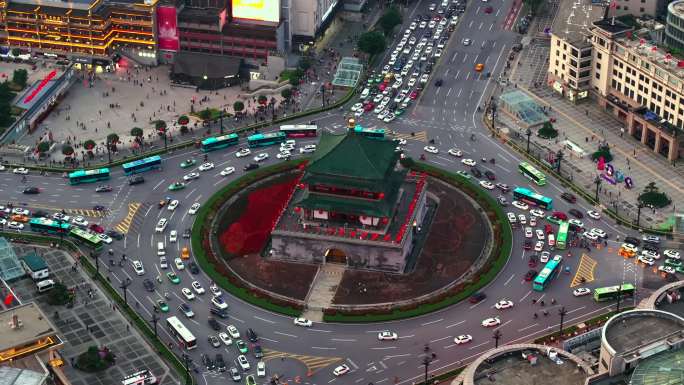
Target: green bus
612, 292
50, 226
374, 133
532, 173
549, 272
530, 197
219, 142
562, 237
268, 139
88, 176
142, 165
87, 238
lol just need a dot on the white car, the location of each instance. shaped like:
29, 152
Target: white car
539, 246
173, 236
598, 232
79, 221
341, 370
646, 260
544, 256
284, 155
594, 214
467, 41
179, 264
172, 206
22, 211
223, 336
105, 238
463, 339
194, 208
650, 254
438, 52
161, 225
455, 152
528, 232
504, 304
413, 26
581, 291
674, 254
537, 213
424, 78
511, 217
206, 166
163, 263
533, 221
138, 268
242, 361
197, 287
227, 171
286, 147
412, 82
540, 234
667, 269
215, 290
387, 336
389, 118
401, 141
522, 219
303, 322
469, 162
590, 235
487, 184
489, 322
356, 107
576, 222
233, 331
309, 148
261, 157
243, 152
221, 304
431, 149
187, 293
21, 171
261, 369
520, 205
629, 247
191, 176
15, 225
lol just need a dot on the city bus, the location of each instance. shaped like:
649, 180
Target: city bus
374, 133
548, 273
183, 335
611, 292
84, 237
532, 198
50, 226
219, 142
529, 171
299, 130
142, 377
258, 140
562, 236
88, 176
142, 165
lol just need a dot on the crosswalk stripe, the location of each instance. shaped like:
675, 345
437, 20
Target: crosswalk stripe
420, 136
125, 224
584, 270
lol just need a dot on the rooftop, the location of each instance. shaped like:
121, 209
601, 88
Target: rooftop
20, 376
574, 19
676, 8
34, 326
631, 330
661, 369
523, 107
676, 307
649, 51
512, 369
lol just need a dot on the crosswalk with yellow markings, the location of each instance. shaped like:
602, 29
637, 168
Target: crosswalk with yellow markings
125, 225
86, 213
312, 363
585, 270
420, 136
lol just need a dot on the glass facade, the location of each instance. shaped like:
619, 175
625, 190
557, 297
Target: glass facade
10, 268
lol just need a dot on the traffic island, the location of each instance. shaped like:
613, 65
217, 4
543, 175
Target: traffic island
95, 360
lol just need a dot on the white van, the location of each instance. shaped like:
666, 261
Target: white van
45, 285
365, 93
161, 249
551, 240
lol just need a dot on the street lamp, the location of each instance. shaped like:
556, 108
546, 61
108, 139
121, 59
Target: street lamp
96, 256
221, 120
154, 320
497, 336
427, 360
640, 205
559, 157
186, 361
597, 181
124, 286
619, 297
528, 132
562, 313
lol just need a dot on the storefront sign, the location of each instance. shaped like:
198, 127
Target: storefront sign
167, 29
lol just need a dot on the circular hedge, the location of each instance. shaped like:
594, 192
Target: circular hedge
95, 360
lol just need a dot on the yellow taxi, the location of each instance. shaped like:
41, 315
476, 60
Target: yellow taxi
19, 218
185, 253
479, 67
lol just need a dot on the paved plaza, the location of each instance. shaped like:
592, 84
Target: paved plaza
91, 322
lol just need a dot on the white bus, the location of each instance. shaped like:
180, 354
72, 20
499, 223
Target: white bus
143, 377
183, 335
574, 148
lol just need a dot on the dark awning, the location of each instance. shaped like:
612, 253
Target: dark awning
199, 65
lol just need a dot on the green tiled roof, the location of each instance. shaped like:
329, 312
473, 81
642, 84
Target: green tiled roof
665, 368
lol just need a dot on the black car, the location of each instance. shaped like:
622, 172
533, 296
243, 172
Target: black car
576, 213
258, 352
251, 166
503, 187
476, 172
438, 83
569, 197
115, 234
477, 297
31, 190
138, 179
223, 313
207, 361
192, 266
220, 364
40, 214
650, 247
148, 284
490, 175
99, 208
213, 323
103, 188
633, 241
187, 233
251, 335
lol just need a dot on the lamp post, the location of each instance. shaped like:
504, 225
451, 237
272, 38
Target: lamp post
497, 336
562, 313
109, 152
639, 207
528, 132
597, 181
619, 297
154, 320
96, 257
559, 157
427, 360
221, 120
186, 361
124, 286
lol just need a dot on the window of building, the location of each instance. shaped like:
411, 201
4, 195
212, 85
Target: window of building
599, 55
598, 66
641, 9
597, 75
574, 52
626, 8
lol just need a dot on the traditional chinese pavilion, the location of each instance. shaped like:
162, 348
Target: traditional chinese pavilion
355, 205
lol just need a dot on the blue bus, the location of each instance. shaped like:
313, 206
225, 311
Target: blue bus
219, 142
549, 272
375, 133
532, 198
258, 140
88, 176
142, 165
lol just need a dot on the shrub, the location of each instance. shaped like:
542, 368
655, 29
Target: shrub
183, 120
95, 360
603, 151
547, 131
43, 147
59, 295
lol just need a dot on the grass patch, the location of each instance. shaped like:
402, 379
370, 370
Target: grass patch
286, 75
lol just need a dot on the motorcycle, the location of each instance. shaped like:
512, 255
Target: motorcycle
422, 157
484, 160
492, 161
166, 294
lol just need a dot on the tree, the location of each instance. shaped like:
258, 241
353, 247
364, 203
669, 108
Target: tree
183, 120
547, 131
67, 150
112, 141
16, 52
20, 77
59, 295
372, 43
653, 197
43, 147
238, 106
205, 114
95, 360
160, 125
389, 20
286, 93
262, 99
6, 117
603, 151
89, 144
137, 132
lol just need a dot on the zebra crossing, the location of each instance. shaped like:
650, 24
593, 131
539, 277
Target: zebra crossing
420, 136
125, 225
584, 270
312, 363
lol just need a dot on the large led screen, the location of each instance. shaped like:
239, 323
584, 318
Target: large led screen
258, 10
167, 29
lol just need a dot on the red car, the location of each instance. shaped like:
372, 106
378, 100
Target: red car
530, 275
413, 95
368, 106
488, 10
548, 229
97, 228
560, 215
477, 297
382, 86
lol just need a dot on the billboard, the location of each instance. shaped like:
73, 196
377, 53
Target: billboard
167, 29
257, 10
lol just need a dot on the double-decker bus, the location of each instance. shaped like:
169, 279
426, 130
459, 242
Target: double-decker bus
529, 171
183, 335
532, 198
84, 237
219, 142
612, 292
88, 176
50, 226
258, 140
299, 130
549, 272
142, 165
375, 133
562, 236
142, 377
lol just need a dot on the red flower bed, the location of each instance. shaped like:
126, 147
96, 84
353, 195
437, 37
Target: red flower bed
249, 232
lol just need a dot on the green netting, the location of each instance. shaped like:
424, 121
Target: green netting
666, 368
348, 72
523, 107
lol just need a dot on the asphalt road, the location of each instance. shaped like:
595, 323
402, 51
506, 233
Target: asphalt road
448, 115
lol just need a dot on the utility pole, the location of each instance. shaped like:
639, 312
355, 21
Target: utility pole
639, 207
559, 157
597, 181
497, 336
96, 257
562, 313
154, 320
619, 297
186, 361
427, 360
528, 132
221, 120
124, 286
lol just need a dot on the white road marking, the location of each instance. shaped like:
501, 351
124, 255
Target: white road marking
527, 327
456, 324
440, 339
264, 319
432, 322
477, 346
285, 334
